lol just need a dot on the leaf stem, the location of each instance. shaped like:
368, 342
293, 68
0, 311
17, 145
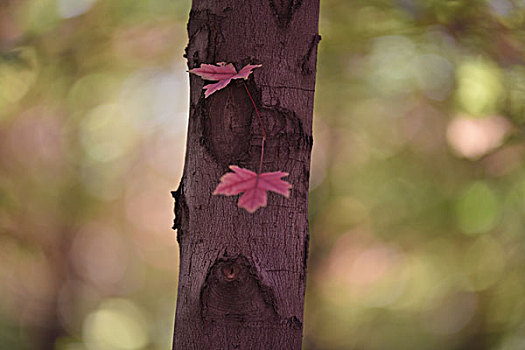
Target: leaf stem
262, 131
262, 156
256, 110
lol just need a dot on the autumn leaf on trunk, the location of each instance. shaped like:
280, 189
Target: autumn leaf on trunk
253, 185
223, 73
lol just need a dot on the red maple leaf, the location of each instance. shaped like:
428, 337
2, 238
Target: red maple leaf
223, 73
253, 185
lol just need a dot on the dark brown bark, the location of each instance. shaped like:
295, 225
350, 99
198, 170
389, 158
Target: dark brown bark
242, 276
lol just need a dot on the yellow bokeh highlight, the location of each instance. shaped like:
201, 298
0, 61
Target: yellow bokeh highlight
118, 324
18, 72
106, 133
480, 89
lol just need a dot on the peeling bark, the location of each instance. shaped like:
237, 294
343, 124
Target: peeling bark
242, 276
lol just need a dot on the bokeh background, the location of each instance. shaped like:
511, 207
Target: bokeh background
417, 205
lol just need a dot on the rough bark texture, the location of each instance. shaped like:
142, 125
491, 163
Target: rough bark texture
242, 276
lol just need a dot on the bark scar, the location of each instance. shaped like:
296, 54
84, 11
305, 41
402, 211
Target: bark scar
305, 255
283, 11
181, 211
226, 119
207, 24
307, 66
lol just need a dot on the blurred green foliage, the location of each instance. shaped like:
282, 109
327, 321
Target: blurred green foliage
417, 204
93, 113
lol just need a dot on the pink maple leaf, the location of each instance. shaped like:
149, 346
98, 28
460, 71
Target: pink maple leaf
253, 185
223, 73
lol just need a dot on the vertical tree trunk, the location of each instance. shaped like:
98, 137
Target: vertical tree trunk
242, 276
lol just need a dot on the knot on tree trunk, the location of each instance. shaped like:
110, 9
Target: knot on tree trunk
234, 293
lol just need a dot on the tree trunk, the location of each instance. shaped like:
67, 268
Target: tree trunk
242, 276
